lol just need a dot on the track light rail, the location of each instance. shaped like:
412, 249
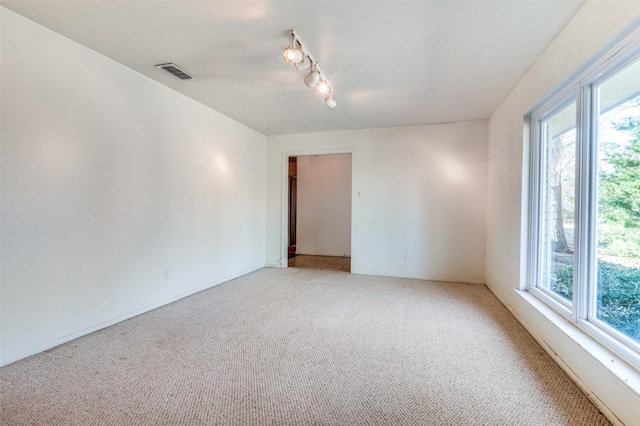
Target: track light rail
302, 59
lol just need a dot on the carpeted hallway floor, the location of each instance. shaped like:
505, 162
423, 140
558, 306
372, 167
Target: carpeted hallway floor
303, 347
329, 263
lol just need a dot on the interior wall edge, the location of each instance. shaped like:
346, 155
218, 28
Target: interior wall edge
424, 278
62, 340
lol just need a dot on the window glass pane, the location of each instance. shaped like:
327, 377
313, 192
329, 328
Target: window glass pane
618, 222
558, 201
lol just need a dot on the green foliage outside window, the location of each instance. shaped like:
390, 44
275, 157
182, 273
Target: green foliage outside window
618, 295
620, 196
618, 289
618, 280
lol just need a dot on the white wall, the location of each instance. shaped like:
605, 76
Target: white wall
595, 25
118, 194
324, 205
419, 198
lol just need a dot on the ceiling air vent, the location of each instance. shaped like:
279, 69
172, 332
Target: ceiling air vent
175, 71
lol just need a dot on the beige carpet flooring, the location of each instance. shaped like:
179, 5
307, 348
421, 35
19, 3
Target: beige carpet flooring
329, 263
303, 347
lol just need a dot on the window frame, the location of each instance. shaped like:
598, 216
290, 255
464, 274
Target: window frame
538, 167
580, 88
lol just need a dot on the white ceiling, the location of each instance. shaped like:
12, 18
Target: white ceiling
391, 63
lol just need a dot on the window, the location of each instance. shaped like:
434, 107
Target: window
584, 233
558, 136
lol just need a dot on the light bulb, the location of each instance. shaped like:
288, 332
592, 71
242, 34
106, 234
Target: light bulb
324, 87
292, 55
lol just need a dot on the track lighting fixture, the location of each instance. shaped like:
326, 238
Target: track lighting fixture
292, 54
330, 102
313, 77
301, 58
304, 65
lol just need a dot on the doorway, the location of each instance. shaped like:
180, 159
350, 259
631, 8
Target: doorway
293, 204
319, 211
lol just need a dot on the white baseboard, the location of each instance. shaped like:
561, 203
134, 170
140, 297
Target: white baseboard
53, 343
585, 342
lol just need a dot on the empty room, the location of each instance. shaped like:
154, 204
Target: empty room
320, 212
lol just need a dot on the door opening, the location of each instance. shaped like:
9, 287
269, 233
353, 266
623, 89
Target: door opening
319, 211
293, 202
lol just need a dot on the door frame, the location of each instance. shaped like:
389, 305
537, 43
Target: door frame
284, 196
